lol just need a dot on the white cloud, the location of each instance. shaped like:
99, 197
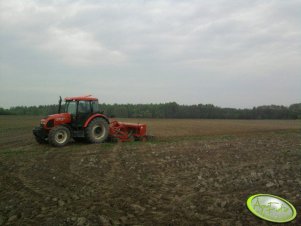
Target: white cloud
40, 27
78, 47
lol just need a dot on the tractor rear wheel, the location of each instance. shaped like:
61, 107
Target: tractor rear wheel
59, 136
97, 130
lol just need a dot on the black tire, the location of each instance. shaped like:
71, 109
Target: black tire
59, 136
40, 140
97, 131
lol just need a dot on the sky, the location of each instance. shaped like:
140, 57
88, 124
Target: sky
228, 53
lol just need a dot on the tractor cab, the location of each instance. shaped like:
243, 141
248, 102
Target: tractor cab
80, 109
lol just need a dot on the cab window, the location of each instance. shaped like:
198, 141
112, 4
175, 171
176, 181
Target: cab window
95, 107
71, 107
84, 107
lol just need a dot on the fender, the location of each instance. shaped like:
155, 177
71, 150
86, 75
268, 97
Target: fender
95, 116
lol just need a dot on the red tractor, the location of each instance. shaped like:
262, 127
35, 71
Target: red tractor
82, 120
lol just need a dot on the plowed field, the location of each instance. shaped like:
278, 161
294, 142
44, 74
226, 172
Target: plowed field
196, 172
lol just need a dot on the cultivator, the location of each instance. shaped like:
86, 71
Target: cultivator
123, 131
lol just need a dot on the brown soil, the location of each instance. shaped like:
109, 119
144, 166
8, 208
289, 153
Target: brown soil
199, 180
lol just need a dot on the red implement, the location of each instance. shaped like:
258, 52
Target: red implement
123, 131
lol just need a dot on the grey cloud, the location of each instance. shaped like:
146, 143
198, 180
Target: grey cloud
185, 51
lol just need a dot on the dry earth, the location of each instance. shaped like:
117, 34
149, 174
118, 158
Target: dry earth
197, 172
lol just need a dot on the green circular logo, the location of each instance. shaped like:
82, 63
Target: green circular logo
271, 208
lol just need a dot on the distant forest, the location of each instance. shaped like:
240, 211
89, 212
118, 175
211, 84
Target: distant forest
173, 110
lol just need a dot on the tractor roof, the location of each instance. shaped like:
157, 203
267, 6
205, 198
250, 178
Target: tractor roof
81, 98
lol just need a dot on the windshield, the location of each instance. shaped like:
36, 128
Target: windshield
71, 107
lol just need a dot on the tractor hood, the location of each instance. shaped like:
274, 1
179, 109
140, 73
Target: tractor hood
56, 119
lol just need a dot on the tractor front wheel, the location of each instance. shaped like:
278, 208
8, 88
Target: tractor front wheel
59, 136
97, 130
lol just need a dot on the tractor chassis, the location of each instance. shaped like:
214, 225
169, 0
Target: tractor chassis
118, 131
40, 132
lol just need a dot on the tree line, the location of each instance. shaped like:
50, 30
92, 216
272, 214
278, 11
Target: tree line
173, 110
